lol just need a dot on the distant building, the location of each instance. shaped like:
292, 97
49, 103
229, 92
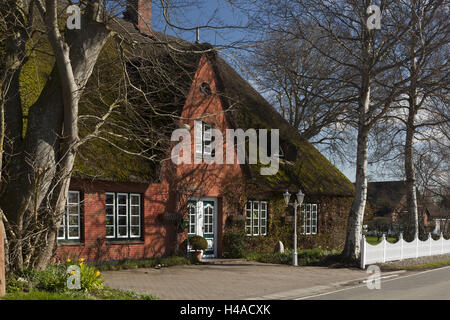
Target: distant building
387, 201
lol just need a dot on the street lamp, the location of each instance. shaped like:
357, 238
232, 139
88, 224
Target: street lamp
297, 203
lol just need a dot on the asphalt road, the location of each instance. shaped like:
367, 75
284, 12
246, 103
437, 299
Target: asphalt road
426, 285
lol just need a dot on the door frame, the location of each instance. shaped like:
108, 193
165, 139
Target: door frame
215, 217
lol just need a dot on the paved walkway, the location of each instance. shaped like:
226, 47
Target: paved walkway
232, 279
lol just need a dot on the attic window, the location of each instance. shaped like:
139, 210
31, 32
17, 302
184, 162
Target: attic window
205, 88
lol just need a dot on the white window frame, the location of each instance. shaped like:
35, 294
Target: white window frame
261, 211
139, 215
113, 215
310, 217
207, 139
208, 226
127, 213
203, 139
128, 206
65, 223
250, 218
194, 206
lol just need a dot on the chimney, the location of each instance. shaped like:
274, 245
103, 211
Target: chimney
139, 12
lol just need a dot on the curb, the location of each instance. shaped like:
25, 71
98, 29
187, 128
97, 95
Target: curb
304, 292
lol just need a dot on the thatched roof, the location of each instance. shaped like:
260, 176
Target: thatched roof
386, 196
303, 166
436, 212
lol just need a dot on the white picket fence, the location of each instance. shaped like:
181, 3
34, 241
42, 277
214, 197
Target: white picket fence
386, 251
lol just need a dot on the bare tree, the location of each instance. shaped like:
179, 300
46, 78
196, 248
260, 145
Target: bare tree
422, 107
44, 144
364, 52
429, 71
301, 84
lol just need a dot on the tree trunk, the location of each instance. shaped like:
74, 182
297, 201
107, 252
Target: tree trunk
411, 195
352, 245
355, 219
42, 174
2, 258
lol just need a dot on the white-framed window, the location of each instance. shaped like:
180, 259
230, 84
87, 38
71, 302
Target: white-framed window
135, 215
309, 219
203, 145
192, 213
123, 215
256, 213
70, 229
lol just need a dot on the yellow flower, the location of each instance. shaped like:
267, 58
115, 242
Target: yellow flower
73, 271
81, 260
98, 274
68, 260
81, 264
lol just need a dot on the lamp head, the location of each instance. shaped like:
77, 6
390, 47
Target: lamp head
286, 196
300, 197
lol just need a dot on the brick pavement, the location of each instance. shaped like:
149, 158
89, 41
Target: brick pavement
231, 279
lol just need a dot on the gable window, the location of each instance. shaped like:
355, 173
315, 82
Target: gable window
309, 217
256, 218
123, 216
203, 139
205, 89
69, 228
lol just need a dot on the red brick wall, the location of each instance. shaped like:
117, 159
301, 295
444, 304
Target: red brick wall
159, 238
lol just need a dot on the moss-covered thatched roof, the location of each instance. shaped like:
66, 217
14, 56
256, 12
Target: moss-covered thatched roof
164, 75
303, 165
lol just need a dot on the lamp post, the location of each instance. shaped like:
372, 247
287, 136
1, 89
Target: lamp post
297, 203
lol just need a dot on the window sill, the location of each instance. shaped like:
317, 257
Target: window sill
125, 241
70, 243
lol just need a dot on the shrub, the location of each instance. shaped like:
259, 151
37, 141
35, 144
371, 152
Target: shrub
91, 279
305, 257
198, 243
234, 244
15, 283
52, 279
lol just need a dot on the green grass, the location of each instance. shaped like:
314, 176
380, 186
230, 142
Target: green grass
44, 295
141, 263
374, 240
104, 294
425, 266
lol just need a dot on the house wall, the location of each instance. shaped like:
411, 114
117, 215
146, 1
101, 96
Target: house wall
158, 236
179, 183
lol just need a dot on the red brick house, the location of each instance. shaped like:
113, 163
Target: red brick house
120, 206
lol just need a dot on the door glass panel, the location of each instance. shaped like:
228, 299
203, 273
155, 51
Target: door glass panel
208, 218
